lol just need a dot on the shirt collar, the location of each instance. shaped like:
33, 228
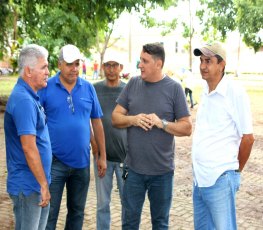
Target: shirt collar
221, 88
22, 82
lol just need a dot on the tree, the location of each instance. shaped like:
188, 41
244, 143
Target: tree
224, 16
168, 27
250, 22
189, 32
104, 41
57, 22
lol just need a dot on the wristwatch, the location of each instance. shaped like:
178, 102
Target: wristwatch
165, 123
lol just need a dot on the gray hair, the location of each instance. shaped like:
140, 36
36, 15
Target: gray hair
29, 56
60, 56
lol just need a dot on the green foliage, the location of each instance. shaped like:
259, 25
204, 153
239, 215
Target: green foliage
54, 23
148, 21
4, 12
221, 16
250, 22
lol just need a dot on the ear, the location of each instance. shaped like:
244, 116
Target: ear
222, 65
121, 67
159, 63
59, 65
27, 71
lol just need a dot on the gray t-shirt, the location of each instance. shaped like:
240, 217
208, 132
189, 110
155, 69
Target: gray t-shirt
152, 152
115, 139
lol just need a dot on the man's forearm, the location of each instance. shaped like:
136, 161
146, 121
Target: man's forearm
122, 121
99, 137
245, 150
34, 160
180, 128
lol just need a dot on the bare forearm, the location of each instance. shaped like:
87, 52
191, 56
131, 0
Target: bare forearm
245, 150
99, 141
122, 121
93, 143
35, 165
33, 159
180, 128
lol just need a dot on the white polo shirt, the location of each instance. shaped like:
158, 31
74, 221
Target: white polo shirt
223, 117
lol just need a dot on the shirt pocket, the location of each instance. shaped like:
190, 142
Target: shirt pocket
85, 105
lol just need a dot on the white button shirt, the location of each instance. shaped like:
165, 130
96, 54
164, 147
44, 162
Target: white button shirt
223, 117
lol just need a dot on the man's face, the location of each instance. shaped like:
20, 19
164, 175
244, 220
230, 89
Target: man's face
69, 71
148, 66
112, 70
39, 74
210, 69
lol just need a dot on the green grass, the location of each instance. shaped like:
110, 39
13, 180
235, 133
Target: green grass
254, 87
6, 85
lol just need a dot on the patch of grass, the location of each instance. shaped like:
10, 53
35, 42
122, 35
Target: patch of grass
6, 85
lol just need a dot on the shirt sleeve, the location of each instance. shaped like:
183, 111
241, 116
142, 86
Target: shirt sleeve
243, 114
25, 117
96, 108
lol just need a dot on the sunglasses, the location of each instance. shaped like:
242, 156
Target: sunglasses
70, 102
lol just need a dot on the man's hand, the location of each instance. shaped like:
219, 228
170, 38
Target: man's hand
102, 166
144, 121
45, 195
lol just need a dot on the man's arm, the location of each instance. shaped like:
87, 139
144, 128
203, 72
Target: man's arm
120, 119
100, 142
94, 146
245, 149
34, 162
181, 127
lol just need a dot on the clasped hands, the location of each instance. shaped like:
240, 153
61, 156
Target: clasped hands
147, 121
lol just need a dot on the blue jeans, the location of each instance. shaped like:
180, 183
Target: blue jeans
77, 183
215, 206
103, 190
28, 214
95, 75
160, 192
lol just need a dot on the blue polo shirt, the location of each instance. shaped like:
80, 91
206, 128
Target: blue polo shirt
68, 119
25, 116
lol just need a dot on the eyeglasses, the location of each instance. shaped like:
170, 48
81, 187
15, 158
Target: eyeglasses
114, 66
70, 102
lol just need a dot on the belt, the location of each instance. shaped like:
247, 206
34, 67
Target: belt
237, 170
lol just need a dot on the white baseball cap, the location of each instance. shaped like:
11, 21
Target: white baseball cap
71, 53
114, 57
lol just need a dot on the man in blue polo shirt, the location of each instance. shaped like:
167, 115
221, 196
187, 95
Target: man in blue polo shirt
28, 149
70, 103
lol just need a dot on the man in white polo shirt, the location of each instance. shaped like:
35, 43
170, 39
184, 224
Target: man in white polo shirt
222, 142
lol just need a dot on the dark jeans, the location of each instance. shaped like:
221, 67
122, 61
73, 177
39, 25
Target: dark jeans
77, 183
160, 193
190, 92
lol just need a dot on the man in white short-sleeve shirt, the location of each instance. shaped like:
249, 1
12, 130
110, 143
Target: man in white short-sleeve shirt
222, 142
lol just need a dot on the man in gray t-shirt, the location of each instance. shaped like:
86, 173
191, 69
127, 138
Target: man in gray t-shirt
153, 108
108, 91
